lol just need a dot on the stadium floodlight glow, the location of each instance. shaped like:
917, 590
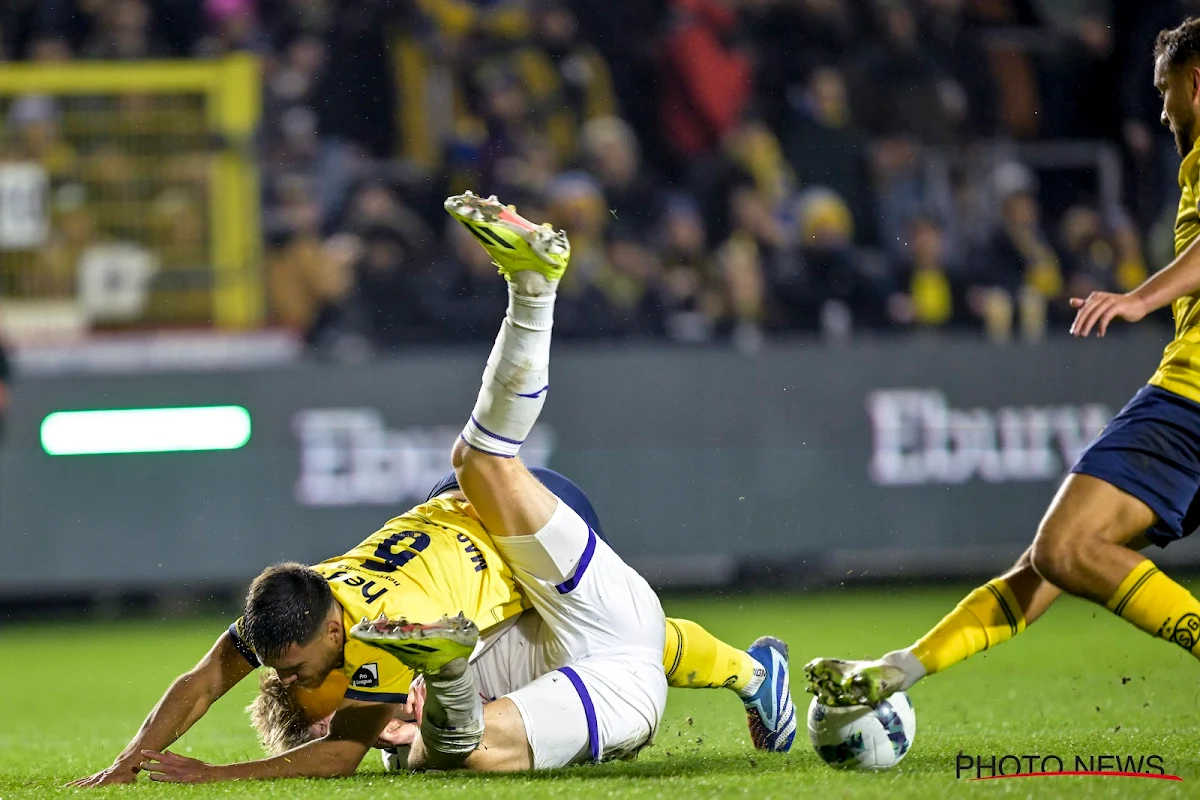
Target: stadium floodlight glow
145, 430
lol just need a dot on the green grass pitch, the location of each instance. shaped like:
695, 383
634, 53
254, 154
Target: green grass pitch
1078, 683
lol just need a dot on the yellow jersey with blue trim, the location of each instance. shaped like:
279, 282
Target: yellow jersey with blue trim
1179, 371
433, 561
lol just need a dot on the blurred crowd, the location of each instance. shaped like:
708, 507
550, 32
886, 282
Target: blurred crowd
727, 170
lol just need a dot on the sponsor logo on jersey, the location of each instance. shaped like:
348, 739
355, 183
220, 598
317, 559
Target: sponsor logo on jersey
366, 676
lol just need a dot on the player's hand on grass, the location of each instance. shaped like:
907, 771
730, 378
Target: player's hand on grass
174, 768
1098, 309
119, 773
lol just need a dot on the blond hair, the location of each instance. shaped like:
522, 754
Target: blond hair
277, 716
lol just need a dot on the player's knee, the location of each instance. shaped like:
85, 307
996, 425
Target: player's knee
1057, 553
469, 462
463, 456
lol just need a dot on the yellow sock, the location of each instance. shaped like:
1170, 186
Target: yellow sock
1159, 606
695, 659
985, 618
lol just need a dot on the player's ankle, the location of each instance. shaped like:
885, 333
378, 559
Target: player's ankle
452, 671
908, 663
531, 283
757, 679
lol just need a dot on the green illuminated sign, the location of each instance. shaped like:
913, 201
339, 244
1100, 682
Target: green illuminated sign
145, 430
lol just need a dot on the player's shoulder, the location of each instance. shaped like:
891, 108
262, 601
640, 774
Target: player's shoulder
1189, 171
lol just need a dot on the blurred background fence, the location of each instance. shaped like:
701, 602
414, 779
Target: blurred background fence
129, 197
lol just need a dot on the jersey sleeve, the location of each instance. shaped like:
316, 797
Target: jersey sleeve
376, 677
239, 641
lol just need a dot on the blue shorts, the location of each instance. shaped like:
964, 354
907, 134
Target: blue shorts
1151, 450
561, 486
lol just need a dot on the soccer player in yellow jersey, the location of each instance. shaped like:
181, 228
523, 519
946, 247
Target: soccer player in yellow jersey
287, 717
582, 679
1137, 484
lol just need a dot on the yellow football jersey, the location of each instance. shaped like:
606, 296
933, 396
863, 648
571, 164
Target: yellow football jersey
1179, 371
432, 561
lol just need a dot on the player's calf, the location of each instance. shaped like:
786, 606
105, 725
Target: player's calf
532, 258
504, 747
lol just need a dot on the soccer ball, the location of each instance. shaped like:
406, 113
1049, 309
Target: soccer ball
861, 737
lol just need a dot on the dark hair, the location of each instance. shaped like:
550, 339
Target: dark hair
1179, 45
286, 605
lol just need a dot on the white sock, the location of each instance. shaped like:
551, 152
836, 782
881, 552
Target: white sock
912, 667
452, 724
516, 378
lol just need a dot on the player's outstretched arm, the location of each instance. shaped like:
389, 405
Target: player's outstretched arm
353, 730
1180, 277
186, 701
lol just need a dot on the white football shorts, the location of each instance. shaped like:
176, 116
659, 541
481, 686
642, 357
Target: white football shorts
585, 671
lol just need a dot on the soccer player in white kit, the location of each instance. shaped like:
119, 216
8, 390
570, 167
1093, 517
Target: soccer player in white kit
589, 664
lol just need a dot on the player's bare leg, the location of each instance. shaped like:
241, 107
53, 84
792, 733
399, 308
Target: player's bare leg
456, 730
1082, 545
510, 501
504, 747
1087, 545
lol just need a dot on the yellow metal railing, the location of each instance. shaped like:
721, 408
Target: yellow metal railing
153, 159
